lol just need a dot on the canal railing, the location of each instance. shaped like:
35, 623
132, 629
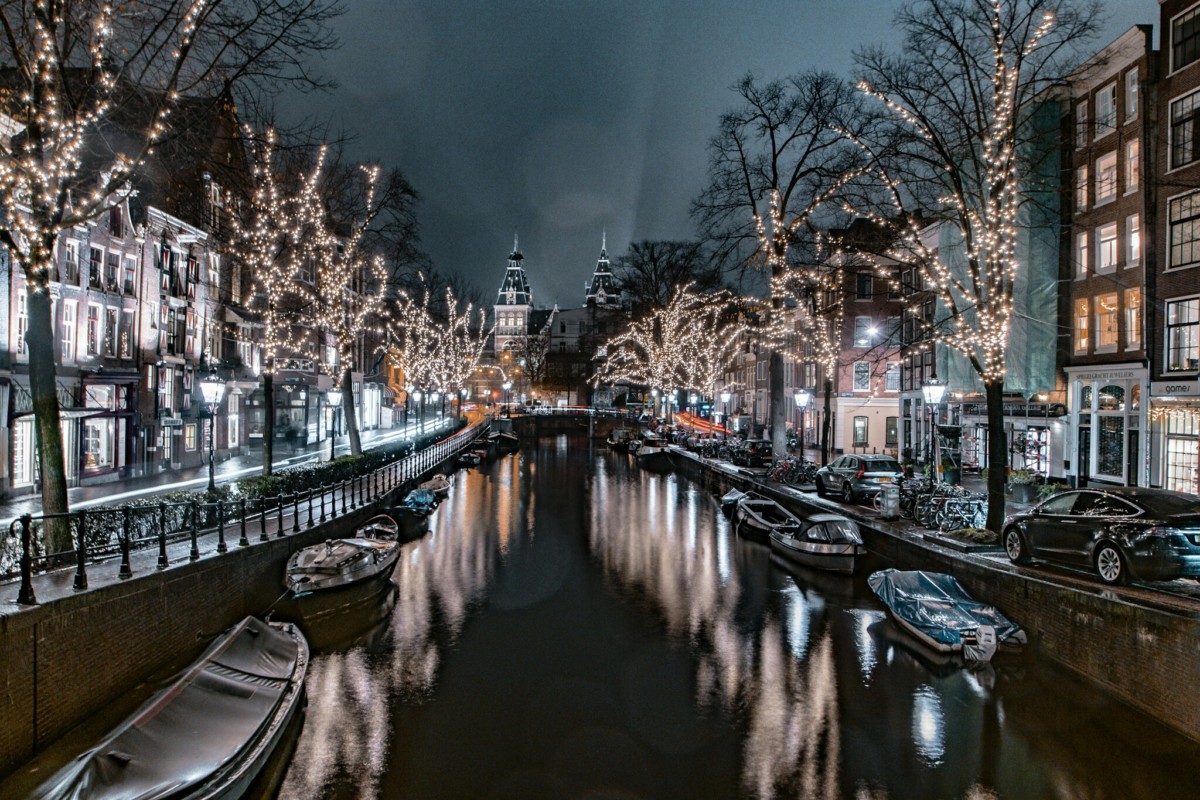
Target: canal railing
106, 533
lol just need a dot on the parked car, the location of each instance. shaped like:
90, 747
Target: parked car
751, 453
854, 477
1122, 533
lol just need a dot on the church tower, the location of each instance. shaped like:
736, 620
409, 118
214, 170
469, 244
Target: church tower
602, 290
514, 302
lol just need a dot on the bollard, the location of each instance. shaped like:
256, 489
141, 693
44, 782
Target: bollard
194, 555
221, 548
25, 594
244, 541
162, 536
126, 570
81, 582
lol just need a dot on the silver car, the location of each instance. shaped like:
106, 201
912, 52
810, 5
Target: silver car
854, 477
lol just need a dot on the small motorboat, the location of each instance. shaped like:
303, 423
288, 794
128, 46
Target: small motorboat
936, 609
757, 517
620, 439
413, 513
508, 440
730, 499
824, 541
206, 735
469, 459
438, 484
653, 452
380, 526
339, 575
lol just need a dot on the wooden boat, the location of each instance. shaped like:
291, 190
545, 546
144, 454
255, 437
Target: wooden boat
620, 439
756, 517
469, 459
339, 574
380, 526
508, 440
653, 453
438, 484
209, 734
935, 609
824, 541
730, 499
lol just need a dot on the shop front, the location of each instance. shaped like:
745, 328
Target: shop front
1109, 420
1175, 425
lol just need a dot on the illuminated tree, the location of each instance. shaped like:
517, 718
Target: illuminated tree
465, 334
71, 67
965, 144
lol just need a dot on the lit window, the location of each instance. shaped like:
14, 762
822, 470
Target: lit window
93, 330
1131, 94
70, 308
1106, 322
1081, 125
1106, 247
1106, 178
1133, 318
1133, 237
1183, 335
1081, 187
1183, 219
860, 431
863, 332
1106, 110
1081, 255
1132, 165
189, 437
1081, 326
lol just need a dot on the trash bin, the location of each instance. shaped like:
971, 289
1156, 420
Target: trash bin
889, 501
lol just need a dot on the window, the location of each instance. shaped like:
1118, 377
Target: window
1133, 152
1106, 322
1081, 187
860, 431
70, 309
1131, 94
1106, 110
126, 340
862, 376
893, 377
1081, 255
71, 264
114, 222
1081, 325
93, 330
1185, 39
189, 437
1133, 240
110, 332
1106, 247
22, 321
1183, 139
891, 431
864, 288
112, 269
1133, 319
1106, 178
127, 283
1183, 335
166, 388
95, 265
864, 333
1110, 446
1183, 219
1081, 125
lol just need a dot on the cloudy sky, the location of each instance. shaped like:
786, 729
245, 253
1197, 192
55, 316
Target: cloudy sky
558, 120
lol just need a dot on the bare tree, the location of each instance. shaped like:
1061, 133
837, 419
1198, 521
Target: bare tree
783, 147
966, 143
652, 271
73, 67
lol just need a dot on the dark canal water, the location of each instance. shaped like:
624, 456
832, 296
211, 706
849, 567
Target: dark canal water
573, 626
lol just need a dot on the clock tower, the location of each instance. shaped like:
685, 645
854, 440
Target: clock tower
514, 302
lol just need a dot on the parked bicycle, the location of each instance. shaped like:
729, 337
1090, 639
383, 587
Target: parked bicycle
794, 471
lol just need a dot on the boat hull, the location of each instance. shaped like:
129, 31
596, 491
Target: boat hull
325, 604
757, 518
840, 558
654, 458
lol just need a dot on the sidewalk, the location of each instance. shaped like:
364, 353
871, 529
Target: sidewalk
197, 477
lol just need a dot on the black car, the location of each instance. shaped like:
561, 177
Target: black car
1122, 533
751, 453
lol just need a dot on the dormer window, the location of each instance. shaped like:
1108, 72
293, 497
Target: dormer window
115, 226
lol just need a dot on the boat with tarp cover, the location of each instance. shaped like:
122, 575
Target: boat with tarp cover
823, 541
937, 610
207, 735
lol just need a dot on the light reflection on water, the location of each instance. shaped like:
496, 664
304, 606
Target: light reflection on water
563, 597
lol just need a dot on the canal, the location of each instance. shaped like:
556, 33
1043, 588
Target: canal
573, 626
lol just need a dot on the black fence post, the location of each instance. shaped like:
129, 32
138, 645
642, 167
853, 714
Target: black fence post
353, 486
25, 595
295, 512
324, 491
280, 530
262, 519
162, 535
345, 508
81, 581
244, 541
221, 548
194, 555
126, 570
310, 507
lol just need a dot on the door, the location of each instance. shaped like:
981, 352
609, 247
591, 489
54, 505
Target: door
1084, 457
1132, 458
1044, 531
1068, 538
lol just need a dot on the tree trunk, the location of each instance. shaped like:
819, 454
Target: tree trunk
827, 422
268, 421
43, 388
348, 410
997, 454
778, 416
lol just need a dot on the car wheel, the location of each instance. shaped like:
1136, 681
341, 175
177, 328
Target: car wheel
1014, 545
820, 488
1110, 565
847, 493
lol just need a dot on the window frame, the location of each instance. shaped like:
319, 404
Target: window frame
1133, 241
1193, 220
1133, 165
1106, 178
855, 369
1082, 249
1132, 94
1081, 339
1107, 123
1081, 187
1169, 328
1191, 122
865, 439
1106, 245
1192, 13
1132, 314
1108, 322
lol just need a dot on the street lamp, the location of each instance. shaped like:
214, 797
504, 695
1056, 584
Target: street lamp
213, 389
334, 398
802, 398
693, 400
933, 390
725, 398
654, 403
506, 386
417, 395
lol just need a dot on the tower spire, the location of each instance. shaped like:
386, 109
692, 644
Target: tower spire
515, 248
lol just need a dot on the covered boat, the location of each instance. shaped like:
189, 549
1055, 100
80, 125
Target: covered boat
208, 734
653, 453
757, 517
935, 609
340, 575
823, 541
620, 438
438, 484
413, 513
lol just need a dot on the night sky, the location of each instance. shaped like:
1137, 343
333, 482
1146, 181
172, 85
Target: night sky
560, 119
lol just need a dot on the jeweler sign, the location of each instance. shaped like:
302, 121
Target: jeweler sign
1175, 388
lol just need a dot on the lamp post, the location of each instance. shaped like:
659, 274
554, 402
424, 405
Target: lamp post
725, 397
933, 390
417, 395
506, 386
692, 401
654, 403
213, 390
334, 398
802, 398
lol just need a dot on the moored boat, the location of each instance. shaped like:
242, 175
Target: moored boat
438, 484
730, 499
469, 459
823, 541
936, 609
380, 526
620, 438
508, 440
756, 517
339, 574
208, 734
653, 452
413, 514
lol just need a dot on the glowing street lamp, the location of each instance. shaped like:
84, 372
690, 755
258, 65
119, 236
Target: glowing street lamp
213, 390
933, 391
506, 386
802, 398
334, 398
